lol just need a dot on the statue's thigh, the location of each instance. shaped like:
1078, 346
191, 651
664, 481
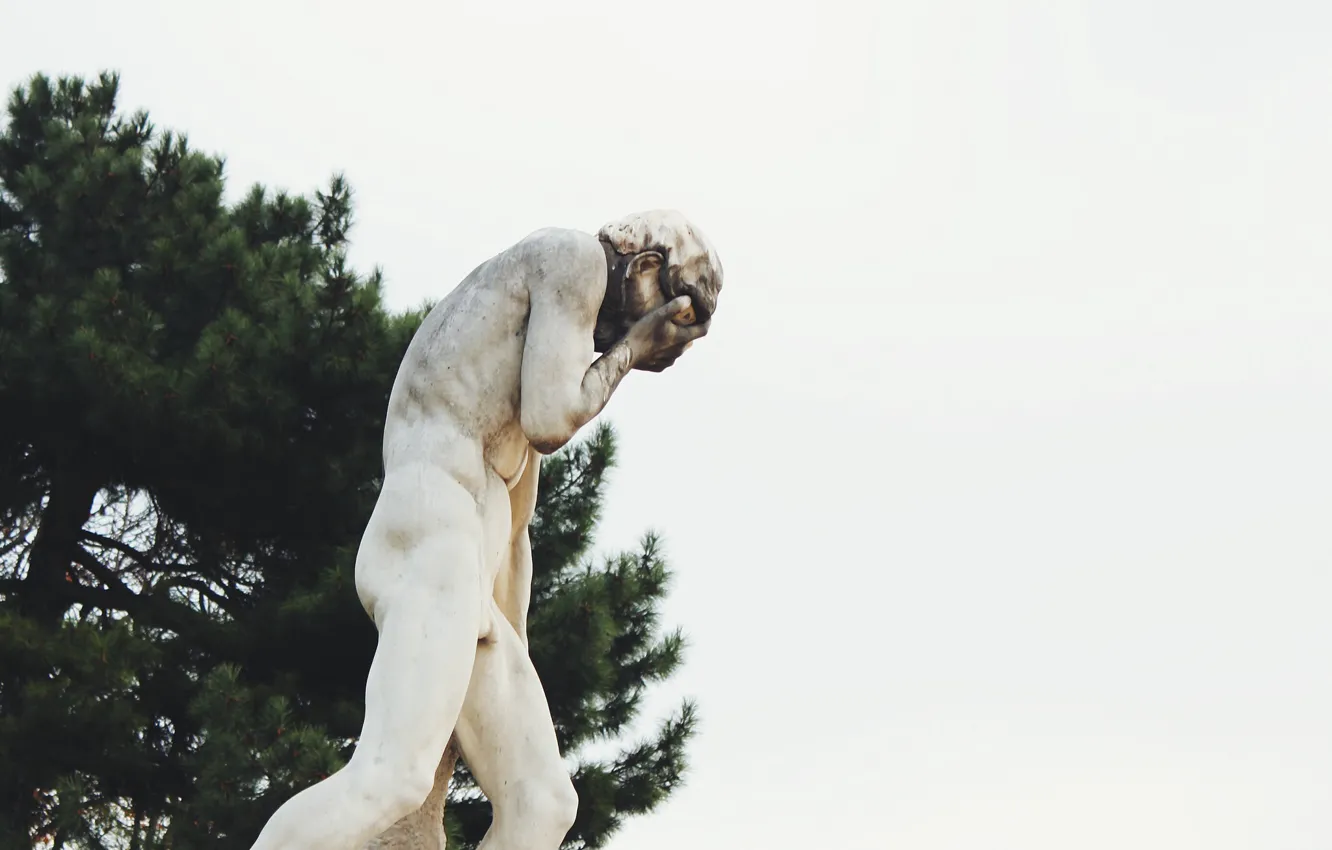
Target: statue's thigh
423, 661
505, 732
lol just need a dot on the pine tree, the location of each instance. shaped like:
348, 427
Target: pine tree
193, 397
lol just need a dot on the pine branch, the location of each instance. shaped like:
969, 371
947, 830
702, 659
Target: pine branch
20, 538
115, 587
184, 581
124, 548
147, 609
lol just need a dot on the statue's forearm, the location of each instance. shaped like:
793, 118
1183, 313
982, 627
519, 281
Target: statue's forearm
521, 591
552, 414
602, 377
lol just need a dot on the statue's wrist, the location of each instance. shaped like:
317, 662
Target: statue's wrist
636, 347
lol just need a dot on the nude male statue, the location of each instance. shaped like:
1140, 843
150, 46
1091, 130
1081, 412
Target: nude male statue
497, 376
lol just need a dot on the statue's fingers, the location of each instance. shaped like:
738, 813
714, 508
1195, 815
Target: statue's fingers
680, 309
689, 333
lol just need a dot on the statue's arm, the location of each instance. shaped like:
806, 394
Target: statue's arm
560, 392
516, 597
515, 608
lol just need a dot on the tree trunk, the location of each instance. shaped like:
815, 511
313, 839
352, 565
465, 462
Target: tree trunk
43, 596
424, 828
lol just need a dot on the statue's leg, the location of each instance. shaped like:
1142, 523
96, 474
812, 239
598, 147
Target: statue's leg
508, 743
423, 829
428, 624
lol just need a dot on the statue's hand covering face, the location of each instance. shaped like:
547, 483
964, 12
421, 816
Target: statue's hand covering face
653, 257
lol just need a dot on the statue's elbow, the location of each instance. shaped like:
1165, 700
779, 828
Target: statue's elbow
548, 445
547, 434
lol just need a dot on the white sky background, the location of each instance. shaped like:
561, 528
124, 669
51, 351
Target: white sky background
1000, 494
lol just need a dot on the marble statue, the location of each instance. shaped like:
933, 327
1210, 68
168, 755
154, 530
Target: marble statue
502, 371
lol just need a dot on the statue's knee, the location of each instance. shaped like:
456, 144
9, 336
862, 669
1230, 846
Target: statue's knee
543, 811
394, 792
563, 807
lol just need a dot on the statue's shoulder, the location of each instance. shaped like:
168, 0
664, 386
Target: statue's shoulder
560, 242
565, 256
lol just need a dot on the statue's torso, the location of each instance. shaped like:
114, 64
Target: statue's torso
455, 402
453, 432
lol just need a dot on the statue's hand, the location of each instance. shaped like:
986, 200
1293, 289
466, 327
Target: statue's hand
660, 337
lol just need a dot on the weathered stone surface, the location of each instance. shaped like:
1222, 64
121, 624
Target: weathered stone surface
496, 376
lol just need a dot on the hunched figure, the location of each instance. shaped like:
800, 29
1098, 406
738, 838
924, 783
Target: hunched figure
497, 376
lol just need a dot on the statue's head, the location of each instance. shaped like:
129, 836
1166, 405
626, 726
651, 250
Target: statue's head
653, 257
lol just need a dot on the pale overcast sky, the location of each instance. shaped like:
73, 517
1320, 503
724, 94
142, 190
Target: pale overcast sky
1000, 495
